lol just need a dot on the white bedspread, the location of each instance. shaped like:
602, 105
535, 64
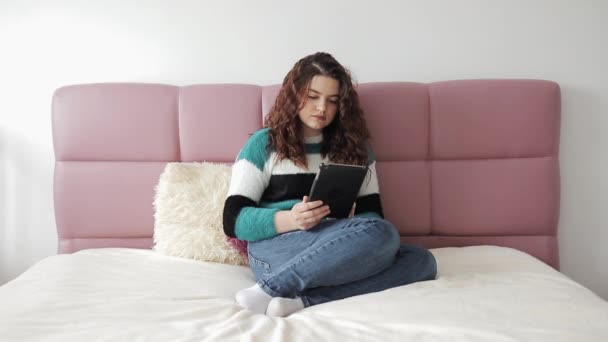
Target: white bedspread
482, 293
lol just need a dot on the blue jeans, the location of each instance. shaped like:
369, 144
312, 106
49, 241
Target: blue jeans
338, 259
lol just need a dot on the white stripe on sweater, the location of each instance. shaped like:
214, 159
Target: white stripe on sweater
370, 183
247, 180
287, 167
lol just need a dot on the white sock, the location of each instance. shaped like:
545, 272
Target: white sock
282, 307
254, 299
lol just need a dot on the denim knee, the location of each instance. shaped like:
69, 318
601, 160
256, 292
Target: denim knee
430, 265
389, 240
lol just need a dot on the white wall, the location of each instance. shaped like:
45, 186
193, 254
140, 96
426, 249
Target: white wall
47, 44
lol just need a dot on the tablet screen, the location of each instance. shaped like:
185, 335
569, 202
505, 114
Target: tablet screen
337, 185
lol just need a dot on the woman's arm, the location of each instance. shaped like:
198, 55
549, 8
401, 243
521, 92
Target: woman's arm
242, 217
302, 216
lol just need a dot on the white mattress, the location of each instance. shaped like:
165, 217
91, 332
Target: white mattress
482, 293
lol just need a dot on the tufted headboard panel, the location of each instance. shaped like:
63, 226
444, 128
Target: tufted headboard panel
460, 163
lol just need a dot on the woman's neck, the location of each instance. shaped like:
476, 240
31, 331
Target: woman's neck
314, 139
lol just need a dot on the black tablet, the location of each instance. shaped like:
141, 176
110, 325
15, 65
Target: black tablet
337, 185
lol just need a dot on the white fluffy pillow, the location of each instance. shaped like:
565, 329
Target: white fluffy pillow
189, 204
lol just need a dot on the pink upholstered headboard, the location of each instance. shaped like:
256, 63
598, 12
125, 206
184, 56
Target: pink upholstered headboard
459, 162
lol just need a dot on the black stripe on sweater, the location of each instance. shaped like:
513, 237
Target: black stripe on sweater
286, 187
232, 208
369, 203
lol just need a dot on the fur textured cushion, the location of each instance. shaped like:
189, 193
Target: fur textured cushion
188, 208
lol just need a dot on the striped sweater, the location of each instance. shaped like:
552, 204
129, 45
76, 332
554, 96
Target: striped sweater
260, 186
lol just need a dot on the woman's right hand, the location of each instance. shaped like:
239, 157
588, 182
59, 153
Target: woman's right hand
302, 216
306, 214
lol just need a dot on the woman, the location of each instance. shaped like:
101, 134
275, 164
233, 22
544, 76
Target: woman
298, 256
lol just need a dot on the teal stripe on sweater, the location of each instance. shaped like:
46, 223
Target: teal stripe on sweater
282, 205
255, 224
369, 214
370, 156
255, 150
312, 148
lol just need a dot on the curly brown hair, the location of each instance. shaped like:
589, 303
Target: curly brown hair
344, 140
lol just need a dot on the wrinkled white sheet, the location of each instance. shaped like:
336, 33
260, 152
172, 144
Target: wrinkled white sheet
482, 293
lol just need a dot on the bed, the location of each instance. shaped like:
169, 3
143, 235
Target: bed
467, 168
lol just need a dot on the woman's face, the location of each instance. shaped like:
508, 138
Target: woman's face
320, 105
